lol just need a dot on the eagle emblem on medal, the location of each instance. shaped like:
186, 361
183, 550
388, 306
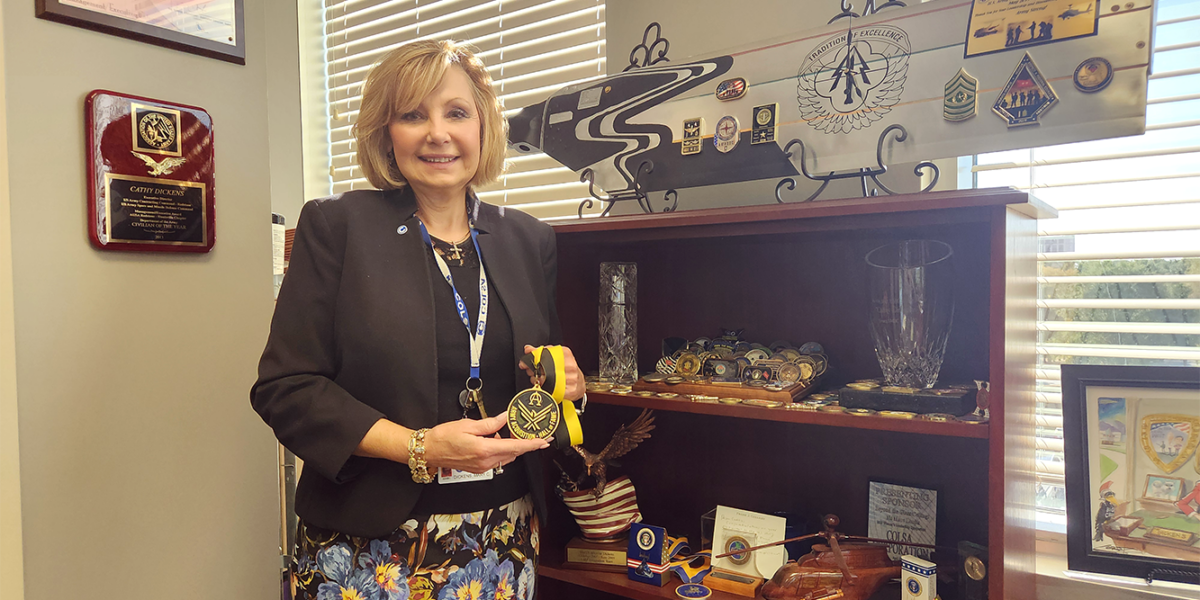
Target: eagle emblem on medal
853, 79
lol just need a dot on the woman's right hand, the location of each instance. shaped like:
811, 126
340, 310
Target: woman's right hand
471, 445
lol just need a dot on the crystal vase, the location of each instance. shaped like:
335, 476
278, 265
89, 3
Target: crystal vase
912, 307
618, 321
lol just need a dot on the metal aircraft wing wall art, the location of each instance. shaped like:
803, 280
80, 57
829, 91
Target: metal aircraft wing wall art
837, 89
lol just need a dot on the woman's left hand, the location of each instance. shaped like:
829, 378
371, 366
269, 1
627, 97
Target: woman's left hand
574, 385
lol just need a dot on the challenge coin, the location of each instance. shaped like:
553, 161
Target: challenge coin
1093, 75
727, 134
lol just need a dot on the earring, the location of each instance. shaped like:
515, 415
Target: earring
393, 169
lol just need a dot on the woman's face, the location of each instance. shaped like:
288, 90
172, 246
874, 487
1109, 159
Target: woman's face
437, 144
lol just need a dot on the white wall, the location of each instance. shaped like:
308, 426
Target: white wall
143, 471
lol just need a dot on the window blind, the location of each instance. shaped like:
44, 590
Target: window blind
532, 48
1119, 270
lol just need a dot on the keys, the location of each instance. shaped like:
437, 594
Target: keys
469, 399
473, 398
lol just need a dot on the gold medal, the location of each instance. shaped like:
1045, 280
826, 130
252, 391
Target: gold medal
533, 414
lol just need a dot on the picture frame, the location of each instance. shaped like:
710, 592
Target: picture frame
1133, 503
215, 28
1160, 488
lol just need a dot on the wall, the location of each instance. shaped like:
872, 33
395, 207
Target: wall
698, 32
11, 561
143, 471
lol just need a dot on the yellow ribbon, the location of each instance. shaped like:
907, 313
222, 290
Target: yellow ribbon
556, 386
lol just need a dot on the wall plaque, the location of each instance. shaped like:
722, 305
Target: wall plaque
150, 165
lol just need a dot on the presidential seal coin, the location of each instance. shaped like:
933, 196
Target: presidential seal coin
693, 591
726, 135
533, 414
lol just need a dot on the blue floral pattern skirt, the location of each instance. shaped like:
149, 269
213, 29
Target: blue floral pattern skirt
488, 555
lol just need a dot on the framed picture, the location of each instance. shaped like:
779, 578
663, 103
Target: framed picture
1130, 438
213, 28
1163, 489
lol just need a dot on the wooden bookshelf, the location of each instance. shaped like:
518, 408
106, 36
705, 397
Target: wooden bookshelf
797, 272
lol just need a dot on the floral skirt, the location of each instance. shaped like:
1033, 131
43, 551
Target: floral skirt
474, 556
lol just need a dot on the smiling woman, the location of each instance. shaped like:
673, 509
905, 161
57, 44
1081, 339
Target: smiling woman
376, 373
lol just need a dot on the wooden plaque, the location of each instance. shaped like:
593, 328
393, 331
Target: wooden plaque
150, 169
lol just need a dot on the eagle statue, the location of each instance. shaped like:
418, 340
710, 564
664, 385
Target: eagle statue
626, 438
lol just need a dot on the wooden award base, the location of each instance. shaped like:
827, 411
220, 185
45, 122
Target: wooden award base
734, 583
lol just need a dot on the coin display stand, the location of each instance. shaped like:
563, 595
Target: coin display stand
787, 395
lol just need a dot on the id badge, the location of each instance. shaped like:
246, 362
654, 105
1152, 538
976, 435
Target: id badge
446, 476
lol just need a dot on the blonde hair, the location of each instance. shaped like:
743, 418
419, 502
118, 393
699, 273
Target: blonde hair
398, 83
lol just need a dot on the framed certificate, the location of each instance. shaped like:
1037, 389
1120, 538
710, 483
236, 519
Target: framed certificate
213, 28
150, 170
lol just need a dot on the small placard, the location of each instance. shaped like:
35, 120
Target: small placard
904, 515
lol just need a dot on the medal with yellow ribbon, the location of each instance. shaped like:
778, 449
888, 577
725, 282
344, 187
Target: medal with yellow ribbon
542, 412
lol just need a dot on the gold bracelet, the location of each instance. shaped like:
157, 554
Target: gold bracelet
416, 457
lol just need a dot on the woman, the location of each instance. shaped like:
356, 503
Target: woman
407, 490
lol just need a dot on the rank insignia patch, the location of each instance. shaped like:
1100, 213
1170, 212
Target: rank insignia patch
1026, 96
959, 103
693, 129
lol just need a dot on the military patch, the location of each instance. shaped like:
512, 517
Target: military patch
959, 103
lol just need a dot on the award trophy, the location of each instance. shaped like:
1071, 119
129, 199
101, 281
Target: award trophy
605, 511
618, 321
912, 306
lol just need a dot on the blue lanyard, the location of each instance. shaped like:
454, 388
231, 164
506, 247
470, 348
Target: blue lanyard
481, 328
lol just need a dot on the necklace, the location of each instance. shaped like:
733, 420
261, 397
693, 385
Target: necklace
455, 251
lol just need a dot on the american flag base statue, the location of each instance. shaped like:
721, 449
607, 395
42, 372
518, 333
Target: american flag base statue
607, 517
606, 511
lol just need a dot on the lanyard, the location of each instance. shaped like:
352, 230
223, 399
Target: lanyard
481, 328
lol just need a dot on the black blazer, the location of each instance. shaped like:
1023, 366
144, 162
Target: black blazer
353, 341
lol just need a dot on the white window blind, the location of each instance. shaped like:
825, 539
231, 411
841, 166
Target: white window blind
1119, 270
531, 47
